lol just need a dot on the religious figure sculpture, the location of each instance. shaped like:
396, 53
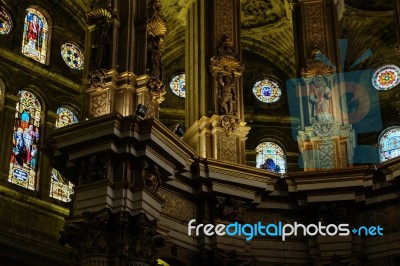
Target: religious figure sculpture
101, 47
320, 96
227, 94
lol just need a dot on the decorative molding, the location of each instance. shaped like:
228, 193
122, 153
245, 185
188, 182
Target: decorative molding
314, 22
261, 12
151, 176
228, 149
230, 124
105, 235
98, 104
176, 206
225, 19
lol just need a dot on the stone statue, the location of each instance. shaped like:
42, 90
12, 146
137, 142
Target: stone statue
320, 96
226, 94
101, 47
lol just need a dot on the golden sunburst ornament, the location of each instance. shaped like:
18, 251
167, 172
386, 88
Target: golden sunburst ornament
157, 27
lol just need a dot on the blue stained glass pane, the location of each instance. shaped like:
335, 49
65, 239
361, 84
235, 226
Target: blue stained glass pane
270, 156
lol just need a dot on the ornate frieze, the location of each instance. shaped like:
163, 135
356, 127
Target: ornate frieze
225, 18
256, 13
151, 176
98, 104
177, 207
314, 24
107, 235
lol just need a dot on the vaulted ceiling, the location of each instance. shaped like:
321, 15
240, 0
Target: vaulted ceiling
267, 30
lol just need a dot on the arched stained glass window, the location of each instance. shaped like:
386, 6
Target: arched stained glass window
178, 85
72, 55
390, 144
65, 117
24, 154
270, 156
5, 21
60, 188
36, 36
386, 77
267, 90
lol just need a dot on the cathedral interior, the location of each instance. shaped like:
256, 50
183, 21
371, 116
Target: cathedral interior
124, 120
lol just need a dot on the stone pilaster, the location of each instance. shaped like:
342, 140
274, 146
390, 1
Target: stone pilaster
215, 120
44, 181
8, 112
326, 139
116, 70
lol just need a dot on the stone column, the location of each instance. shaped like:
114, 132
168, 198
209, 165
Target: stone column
6, 133
120, 58
44, 166
214, 102
326, 139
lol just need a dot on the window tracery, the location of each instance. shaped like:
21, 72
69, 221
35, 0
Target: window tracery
72, 55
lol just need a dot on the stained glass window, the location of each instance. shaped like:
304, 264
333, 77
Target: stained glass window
270, 155
267, 90
178, 85
65, 117
390, 144
35, 36
24, 155
72, 55
5, 21
386, 77
60, 188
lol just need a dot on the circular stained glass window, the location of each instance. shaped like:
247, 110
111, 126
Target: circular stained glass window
386, 77
178, 85
72, 55
5, 22
267, 90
